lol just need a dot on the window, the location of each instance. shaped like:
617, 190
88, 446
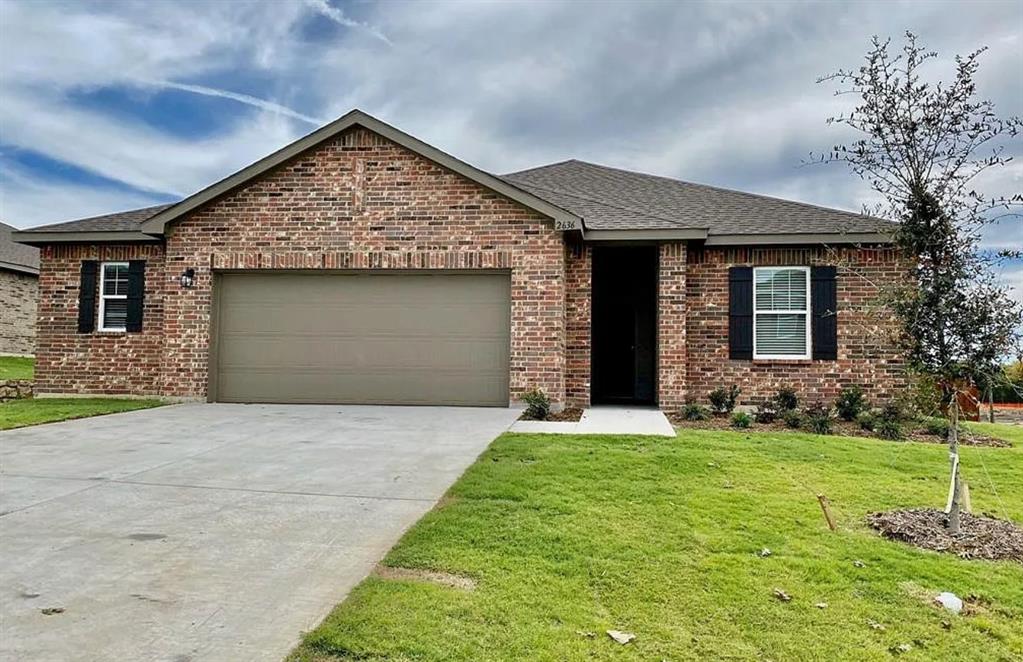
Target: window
781, 313
113, 300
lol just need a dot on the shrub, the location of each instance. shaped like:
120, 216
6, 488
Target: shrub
889, 422
723, 401
850, 403
765, 413
793, 419
818, 418
538, 405
741, 419
939, 427
867, 420
786, 399
695, 412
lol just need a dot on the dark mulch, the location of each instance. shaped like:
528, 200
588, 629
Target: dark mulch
567, 415
979, 537
838, 427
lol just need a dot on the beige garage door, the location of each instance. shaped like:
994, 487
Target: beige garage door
383, 338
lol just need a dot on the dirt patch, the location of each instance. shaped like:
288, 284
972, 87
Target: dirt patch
432, 576
980, 537
838, 428
566, 415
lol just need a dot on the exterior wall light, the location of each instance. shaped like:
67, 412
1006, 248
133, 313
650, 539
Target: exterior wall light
188, 278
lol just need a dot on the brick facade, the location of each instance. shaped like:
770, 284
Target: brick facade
671, 326
866, 352
19, 292
357, 201
102, 363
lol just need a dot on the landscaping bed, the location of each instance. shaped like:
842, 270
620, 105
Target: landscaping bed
842, 428
566, 415
979, 537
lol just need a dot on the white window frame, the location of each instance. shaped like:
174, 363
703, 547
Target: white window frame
103, 297
807, 312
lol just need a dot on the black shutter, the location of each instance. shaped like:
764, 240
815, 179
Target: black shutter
136, 294
824, 308
740, 313
87, 297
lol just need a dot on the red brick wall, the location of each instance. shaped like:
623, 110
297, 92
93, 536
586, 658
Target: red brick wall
360, 201
578, 279
866, 352
671, 326
104, 363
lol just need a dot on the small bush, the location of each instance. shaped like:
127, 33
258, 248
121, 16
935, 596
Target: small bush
850, 403
818, 418
722, 401
786, 399
867, 420
765, 413
793, 419
538, 405
741, 419
695, 412
889, 422
939, 427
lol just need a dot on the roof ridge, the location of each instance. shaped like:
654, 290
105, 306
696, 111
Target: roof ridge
723, 189
604, 203
540, 167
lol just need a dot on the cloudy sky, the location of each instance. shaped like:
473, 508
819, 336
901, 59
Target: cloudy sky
113, 105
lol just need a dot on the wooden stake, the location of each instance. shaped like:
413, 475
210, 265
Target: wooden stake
823, 500
967, 506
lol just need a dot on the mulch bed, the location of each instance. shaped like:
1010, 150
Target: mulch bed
566, 415
838, 427
979, 537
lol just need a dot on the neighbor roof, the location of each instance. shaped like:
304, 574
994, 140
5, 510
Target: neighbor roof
615, 200
17, 257
605, 203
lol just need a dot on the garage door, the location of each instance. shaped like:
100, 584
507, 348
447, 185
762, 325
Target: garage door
384, 338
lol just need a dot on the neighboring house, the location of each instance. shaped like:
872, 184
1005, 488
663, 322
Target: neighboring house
19, 291
361, 265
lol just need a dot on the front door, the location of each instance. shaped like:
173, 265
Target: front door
624, 332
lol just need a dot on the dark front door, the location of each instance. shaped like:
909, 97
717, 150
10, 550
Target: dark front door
624, 324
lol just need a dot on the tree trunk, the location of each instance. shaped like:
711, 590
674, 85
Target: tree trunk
955, 488
991, 404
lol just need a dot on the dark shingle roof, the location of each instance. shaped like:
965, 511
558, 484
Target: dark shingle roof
122, 221
17, 257
613, 199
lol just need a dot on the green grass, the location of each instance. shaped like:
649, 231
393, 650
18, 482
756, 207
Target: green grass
659, 538
16, 367
31, 411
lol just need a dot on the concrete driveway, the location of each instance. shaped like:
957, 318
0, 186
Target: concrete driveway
211, 532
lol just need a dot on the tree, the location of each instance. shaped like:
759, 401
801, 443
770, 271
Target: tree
922, 146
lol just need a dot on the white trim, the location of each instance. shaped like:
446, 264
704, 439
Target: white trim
807, 313
103, 298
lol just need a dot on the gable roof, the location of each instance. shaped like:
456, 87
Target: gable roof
14, 256
605, 203
615, 200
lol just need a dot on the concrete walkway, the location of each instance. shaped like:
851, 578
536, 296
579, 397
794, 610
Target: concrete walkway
211, 532
606, 420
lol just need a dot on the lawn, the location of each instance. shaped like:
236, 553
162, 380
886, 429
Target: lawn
31, 411
568, 537
16, 367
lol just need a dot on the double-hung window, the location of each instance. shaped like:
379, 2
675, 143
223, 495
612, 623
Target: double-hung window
781, 313
113, 300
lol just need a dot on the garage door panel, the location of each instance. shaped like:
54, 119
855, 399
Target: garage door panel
380, 338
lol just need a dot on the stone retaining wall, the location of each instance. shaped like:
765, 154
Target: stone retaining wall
14, 389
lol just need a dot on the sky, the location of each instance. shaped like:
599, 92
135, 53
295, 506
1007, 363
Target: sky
106, 106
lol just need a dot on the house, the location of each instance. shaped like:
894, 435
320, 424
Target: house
361, 265
19, 291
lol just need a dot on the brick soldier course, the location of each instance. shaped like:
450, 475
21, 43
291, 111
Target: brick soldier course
360, 196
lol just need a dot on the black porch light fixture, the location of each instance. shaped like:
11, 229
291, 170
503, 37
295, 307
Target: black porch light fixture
187, 278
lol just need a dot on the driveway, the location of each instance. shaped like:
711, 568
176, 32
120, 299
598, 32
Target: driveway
211, 532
